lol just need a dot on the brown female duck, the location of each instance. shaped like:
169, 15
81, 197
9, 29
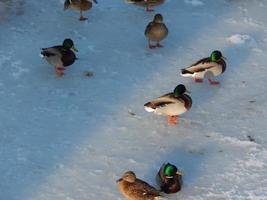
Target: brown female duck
133, 188
81, 5
147, 3
156, 31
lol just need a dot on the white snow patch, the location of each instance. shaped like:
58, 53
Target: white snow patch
240, 39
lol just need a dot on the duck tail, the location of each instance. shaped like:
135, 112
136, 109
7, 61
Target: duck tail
46, 54
185, 72
149, 107
66, 4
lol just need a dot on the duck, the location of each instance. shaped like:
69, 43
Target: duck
171, 104
208, 67
81, 5
169, 178
133, 188
147, 3
156, 31
60, 56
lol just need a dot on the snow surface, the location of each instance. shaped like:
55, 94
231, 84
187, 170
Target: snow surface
70, 138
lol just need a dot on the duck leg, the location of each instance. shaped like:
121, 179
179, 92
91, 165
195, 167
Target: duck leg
198, 80
213, 82
172, 120
82, 18
159, 45
148, 9
151, 46
59, 71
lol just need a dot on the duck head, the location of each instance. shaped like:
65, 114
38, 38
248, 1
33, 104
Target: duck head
68, 44
128, 177
171, 170
158, 18
216, 56
179, 90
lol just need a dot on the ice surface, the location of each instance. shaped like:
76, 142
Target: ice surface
71, 138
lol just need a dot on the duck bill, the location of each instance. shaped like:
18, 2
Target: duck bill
187, 91
119, 180
179, 173
224, 58
74, 49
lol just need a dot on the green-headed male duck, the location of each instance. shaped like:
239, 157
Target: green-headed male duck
60, 56
156, 31
172, 104
133, 188
81, 5
169, 178
206, 68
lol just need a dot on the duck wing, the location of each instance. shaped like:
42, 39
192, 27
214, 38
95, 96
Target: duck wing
52, 51
145, 188
199, 66
53, 55
162, 101
149, 27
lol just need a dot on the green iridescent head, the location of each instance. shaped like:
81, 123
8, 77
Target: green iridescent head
170, 170
68, 44
216, 56
179, 90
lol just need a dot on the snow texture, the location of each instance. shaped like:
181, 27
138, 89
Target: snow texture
71, 138
194, 2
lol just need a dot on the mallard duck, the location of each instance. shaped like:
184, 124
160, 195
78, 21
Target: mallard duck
156, 31
60, 56
206, 67
133, 188
81, 5
172, 104
147, 3
169, 178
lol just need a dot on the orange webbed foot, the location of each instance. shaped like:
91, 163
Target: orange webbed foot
59, 71
198, 80
172, 120
214, 82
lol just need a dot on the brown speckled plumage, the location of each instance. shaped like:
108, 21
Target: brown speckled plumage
135, 189
147, 3
156, 30
81, 5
